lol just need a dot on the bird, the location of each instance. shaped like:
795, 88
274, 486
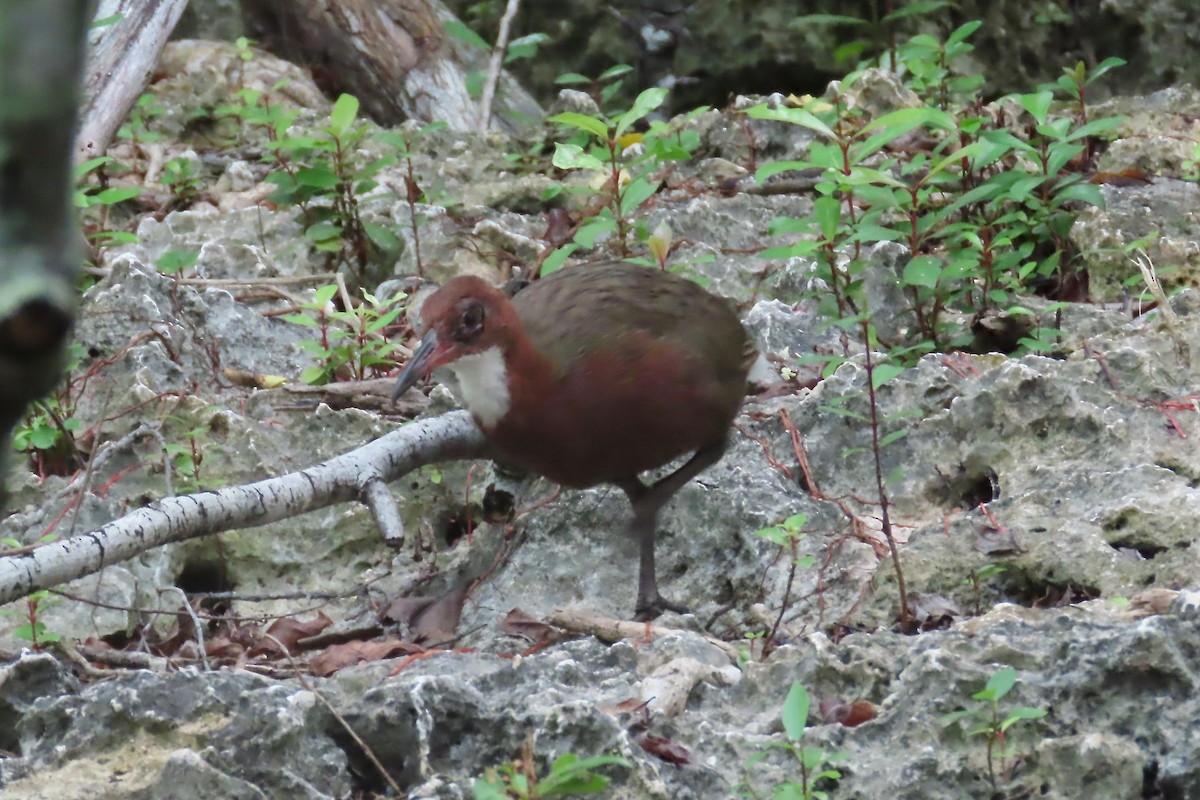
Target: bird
594, 375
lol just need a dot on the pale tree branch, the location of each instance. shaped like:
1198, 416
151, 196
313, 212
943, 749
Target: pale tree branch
495, 65
123, 56
449, 437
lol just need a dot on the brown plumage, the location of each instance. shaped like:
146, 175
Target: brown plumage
594, 375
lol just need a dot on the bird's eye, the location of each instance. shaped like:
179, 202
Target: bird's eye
470, 321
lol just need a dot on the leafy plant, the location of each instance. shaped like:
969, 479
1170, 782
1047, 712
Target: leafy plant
980, 576
137, 128
604, 88
405, 143
624, 166
811, 760
46, 433
987, 720
94, 198
569, 775
984, 212
180, 177
187, 454
33, 629
324, 176
984, 208
351, 343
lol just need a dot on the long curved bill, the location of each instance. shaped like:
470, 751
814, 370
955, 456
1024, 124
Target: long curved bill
429, 355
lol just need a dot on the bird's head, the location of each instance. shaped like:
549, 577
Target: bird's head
466, 320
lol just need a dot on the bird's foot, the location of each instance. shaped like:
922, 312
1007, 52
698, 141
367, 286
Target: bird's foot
653, 607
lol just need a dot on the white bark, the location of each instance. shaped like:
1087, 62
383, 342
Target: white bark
121, 59
449, 437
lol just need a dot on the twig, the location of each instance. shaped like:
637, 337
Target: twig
187, 605
495, 65
367, 751
377, 497
611, 630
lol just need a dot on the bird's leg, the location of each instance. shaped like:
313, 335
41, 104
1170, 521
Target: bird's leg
647, 501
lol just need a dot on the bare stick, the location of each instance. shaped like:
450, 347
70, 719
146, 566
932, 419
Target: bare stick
378, 498
494, 66
607, 629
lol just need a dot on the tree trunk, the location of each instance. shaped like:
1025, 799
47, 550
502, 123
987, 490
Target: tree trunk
41, 59
122, 57
393, 55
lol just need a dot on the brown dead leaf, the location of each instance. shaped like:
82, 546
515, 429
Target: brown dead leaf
339, 656
664, 749
519, 623
431, 621
851, 715
223, 647
289, 631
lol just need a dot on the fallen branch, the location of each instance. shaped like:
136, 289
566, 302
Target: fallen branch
449, 437
611, 630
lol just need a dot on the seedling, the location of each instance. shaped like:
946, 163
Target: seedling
351, 343
569, 775
987, 720
623, 179
812, 760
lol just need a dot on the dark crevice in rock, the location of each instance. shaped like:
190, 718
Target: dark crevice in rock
967, 488
1032, 593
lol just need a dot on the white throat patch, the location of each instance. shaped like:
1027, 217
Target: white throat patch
483, 382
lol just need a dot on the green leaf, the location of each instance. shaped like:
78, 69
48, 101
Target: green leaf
922, 271
636, 193
571, 156
1018, 714
1095, 127
615, 71
809, 20
485, 790
795, 116
463, 33
774, 168
524, 47
176, 260
91, 164
299, 319
323, 294
43, 438
383, 237
895, 124
583, 122
587, 234
323, 233
1000, 684
571, 79
962, 32
645, 102
882, 373
104, 22
1112, 62
795, 712
1037, 104
894, 436
114, 195
314, 376
1085, 192
828, 212
319, 177
555, 260
345, 109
